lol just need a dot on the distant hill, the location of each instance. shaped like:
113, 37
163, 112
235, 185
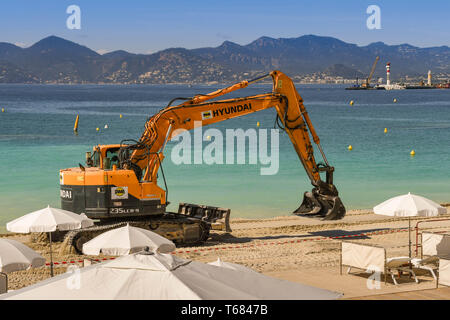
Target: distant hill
54, 59
10, 73
339, 70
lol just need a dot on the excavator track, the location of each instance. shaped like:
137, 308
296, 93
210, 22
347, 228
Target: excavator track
179, 229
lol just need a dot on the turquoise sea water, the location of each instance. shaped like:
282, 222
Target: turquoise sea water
36, 140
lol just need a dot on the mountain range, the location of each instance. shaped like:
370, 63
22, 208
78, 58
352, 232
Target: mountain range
56, 60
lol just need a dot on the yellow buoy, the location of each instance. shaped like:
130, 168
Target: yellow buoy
3, 109
121, 116
350, 147
385, 130
395, 100
413, 153
352, 102
75, 127
257, 124
98, 129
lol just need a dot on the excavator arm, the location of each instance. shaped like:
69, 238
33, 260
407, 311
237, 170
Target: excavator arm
146, 155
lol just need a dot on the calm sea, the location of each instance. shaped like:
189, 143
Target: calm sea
36, 140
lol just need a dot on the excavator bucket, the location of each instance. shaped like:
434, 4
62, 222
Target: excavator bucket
321, 206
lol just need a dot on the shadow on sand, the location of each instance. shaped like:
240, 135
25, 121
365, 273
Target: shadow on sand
228, 238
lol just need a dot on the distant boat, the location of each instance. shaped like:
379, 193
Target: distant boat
444, 86
421, 87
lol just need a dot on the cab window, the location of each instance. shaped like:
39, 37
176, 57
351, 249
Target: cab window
95, 159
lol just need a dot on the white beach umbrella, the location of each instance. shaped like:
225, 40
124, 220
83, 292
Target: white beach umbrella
126, 240
49, 220
409, 205
15, 256
170, 278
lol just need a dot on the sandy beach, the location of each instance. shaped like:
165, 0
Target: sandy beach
289, 247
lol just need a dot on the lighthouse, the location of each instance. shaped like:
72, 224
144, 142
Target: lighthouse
388, 73
429, 78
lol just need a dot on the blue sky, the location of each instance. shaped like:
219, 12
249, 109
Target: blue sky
145, 26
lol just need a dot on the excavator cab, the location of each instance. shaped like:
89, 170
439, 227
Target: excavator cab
103, 157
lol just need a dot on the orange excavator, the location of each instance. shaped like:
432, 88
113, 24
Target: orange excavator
118, 184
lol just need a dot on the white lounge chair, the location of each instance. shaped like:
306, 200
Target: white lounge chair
400, 264
430, 264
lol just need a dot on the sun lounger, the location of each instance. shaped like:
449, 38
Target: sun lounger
430, 264
399, 264
373, 259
